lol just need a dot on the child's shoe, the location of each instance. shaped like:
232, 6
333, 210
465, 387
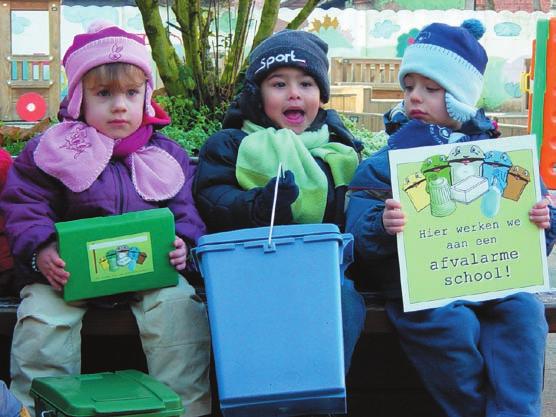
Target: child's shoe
24, 412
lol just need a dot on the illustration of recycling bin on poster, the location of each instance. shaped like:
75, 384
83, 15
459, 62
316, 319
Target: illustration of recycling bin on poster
467, 233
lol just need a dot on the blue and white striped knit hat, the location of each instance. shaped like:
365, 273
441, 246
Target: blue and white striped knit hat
453, 57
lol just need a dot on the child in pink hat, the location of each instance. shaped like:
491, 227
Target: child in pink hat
104, 158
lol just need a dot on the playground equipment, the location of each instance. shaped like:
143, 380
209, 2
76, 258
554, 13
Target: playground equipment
542, 100
29, 83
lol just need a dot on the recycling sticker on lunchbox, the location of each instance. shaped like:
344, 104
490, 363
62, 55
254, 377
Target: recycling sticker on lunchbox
120, 257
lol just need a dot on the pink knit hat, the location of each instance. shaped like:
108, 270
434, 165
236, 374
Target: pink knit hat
104, 43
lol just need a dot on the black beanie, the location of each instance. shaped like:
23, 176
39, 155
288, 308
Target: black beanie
291, 48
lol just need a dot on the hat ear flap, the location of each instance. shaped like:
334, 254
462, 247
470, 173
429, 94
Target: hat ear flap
149, 109
251, 104
458, 110
74, 104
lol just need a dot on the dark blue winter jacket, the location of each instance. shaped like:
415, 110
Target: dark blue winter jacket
376, 256
224, 205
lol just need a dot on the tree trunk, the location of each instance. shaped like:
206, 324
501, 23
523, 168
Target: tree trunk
164, 54
196, 75
269, 16
303, 14
235, 54
187, 15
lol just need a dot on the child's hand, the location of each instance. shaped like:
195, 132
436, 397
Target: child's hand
540, 214
393, 218
288, 191
52, 266
179, 255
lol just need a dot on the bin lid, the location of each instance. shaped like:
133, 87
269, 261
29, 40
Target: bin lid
261, 233
108, 393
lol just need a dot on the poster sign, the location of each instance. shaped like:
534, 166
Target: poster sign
468, 233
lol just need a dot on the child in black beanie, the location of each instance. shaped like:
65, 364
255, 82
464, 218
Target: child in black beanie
278, 118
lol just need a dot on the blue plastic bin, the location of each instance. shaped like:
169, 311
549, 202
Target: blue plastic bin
275, 318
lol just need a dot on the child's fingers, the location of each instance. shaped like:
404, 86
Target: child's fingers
179, 253
57, 277
58, 262
394, 230
180, 266
60, 274
394, 225
539, 212
541, 221
394, 215
542, 204
540, 216
543, 224
178, 256
178, 262
391, 204
393, 218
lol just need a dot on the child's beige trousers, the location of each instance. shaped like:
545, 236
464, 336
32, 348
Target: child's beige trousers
174, 333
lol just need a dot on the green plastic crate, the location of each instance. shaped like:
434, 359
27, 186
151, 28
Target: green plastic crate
127, 393
116, 254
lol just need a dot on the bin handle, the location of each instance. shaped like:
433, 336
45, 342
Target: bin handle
279, 175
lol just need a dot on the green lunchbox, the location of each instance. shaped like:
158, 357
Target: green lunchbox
127, 393
115, 254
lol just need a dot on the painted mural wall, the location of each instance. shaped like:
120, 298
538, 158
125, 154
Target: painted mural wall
386, 34
349, 33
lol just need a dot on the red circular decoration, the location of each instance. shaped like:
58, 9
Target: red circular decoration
31, 107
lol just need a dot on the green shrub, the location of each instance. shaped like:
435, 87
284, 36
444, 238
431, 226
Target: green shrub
190, 127
191, 139
372, 141
11, 143
14, 146
14, 138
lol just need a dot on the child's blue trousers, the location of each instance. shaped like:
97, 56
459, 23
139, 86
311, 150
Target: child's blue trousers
478, 359
353, 319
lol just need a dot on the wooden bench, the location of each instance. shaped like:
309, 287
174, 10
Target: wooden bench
381, 382
122, 323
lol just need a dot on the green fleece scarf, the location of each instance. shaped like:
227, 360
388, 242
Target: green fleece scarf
262, 150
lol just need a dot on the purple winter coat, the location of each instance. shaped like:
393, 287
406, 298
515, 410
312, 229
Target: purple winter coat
32, 201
